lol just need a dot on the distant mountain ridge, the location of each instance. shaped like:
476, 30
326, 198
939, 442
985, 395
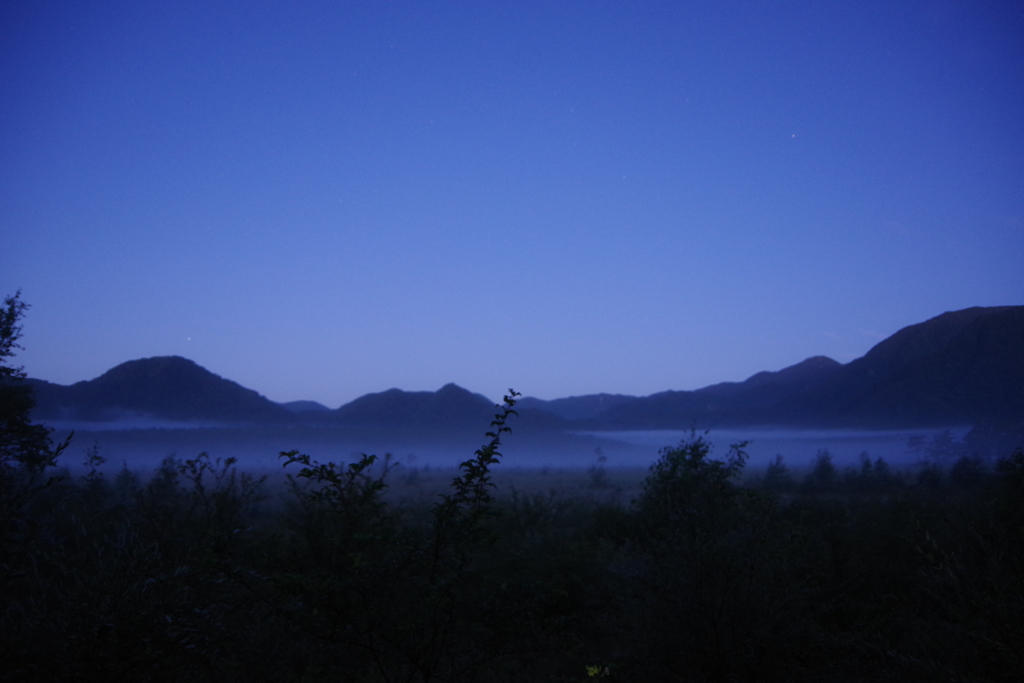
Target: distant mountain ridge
450, 407
166, 387
960, 367
576, 407
305, 407
957, 368
753, 401
175, 389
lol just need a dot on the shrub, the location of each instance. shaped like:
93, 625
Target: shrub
968, 470
822, 476
686, 488
777, 477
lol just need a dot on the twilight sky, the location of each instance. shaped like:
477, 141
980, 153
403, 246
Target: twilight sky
323, 199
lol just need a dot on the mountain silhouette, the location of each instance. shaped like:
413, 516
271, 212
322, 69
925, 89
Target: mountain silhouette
753, 401
959, 368
166, 387
575, 407
305, 407
450, 407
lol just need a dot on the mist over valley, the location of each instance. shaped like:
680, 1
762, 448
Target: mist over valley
952, 372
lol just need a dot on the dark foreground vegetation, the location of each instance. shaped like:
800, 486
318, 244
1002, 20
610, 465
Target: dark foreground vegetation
200, 572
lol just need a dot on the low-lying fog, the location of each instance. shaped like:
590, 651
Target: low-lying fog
257, 448
798, 447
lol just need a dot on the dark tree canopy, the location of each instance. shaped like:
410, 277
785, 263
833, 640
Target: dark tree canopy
25, 448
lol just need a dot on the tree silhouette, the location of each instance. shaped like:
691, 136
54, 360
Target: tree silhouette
25, 448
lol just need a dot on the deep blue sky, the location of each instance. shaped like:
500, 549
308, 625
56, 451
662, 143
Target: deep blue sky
323, 199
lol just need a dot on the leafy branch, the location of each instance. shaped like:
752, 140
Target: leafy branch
458, 513
345, 490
